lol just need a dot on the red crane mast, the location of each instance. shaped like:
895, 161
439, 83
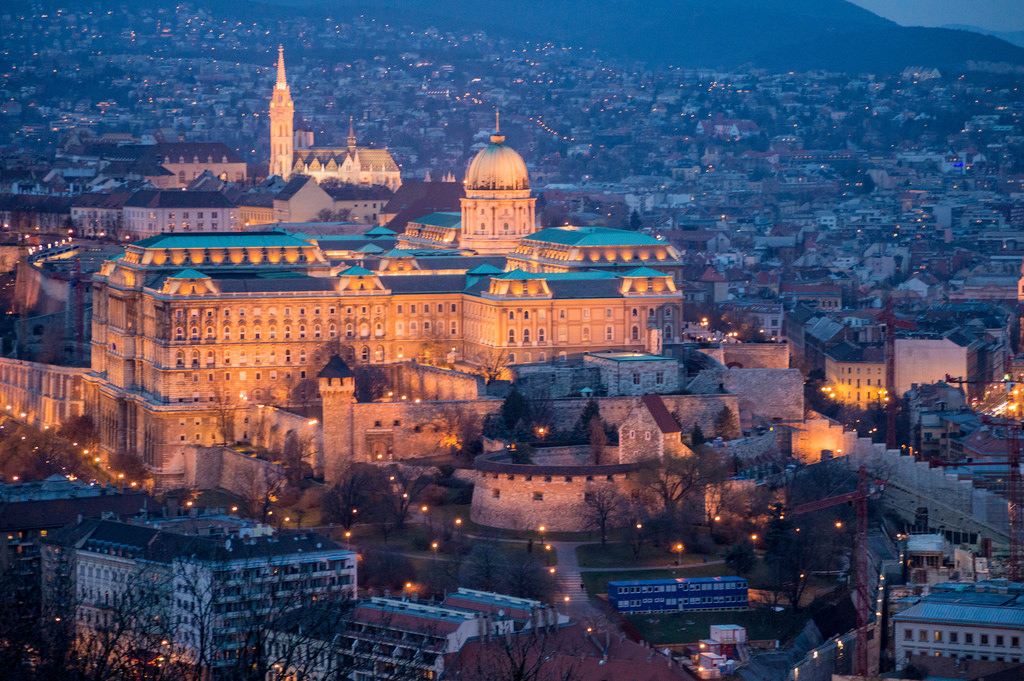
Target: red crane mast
859, 499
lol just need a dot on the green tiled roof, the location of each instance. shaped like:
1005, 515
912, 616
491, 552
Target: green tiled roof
270, 239
484, 269
593, 236
644, 272
369, 248
379, 232
440, 220
355, 271
189, 274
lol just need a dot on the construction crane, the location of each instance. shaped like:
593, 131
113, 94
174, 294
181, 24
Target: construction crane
859, 499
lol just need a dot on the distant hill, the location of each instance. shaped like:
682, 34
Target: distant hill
775, 34
1012, 37
780, 35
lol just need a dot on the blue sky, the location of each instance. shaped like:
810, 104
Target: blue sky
994, 15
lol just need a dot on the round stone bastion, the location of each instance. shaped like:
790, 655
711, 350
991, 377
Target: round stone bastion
518, 496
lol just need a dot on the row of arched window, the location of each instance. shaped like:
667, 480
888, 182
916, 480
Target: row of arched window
194, 358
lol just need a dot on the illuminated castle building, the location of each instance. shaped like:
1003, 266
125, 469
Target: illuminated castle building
292, 152
190, 327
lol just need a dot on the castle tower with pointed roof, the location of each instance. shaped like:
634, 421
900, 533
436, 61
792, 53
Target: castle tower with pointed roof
349, 164
282, 122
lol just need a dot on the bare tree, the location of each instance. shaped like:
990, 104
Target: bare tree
604, 506
459, 428
678, 478
260, 485
343, 501
399, 489
224, 410
493, 363
528, 655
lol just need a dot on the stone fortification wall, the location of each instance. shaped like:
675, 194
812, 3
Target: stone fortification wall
386, 431
521, 497
756, 355
952, 501
46, 394
550, 381
9, 256
40, 290
690, 409
224, 468
272, 428
755, 449
769, 393
567, 455
819, 433
432, 383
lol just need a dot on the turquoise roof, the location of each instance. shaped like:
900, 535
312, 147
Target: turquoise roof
593, 236
271, 239
369, 248
484, 269
399, 253
445, 219
189, 274
355, 271
379, 232
644, 272
556, 276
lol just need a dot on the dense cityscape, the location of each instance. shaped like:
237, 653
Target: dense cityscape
337, 346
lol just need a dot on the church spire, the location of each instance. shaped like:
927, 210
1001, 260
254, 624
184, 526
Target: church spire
351, 135
282, 81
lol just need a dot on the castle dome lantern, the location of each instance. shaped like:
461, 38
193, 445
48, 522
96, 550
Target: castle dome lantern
497, 168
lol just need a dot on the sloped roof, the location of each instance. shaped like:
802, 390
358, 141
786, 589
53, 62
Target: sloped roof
189, 274
644, 272
665, 421
168, 198
269, 239
336, 368
355, 271
440, 219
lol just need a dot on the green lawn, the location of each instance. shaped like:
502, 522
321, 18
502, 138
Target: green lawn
525, 535
689, 627
618, 555
597, 582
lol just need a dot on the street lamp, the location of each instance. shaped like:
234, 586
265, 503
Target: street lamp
433, 545
679, 554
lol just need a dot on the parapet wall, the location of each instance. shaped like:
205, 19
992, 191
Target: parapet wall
951, 501
552, 381
272, 428
750, 355
431, 383
691, 410
46, 394
236, 472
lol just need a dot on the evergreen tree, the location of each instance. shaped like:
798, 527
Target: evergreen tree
581, 431
515, 411
697, 436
